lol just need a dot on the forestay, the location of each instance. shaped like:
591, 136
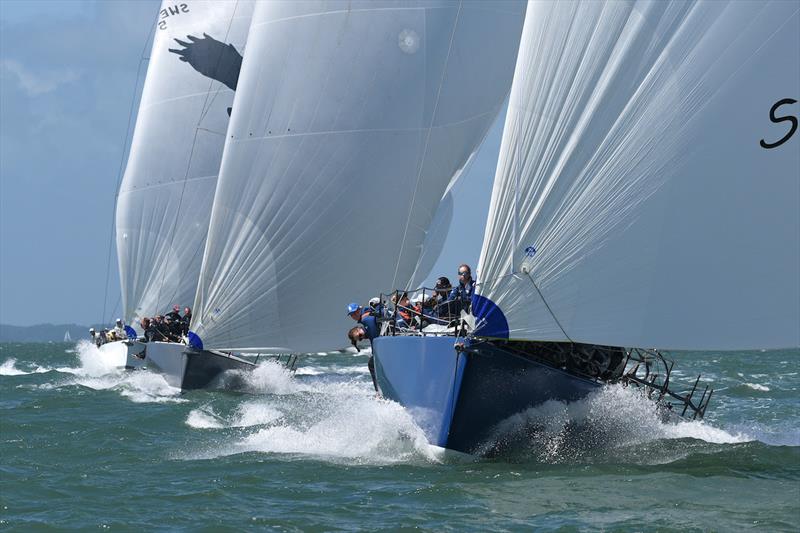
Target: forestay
634, 204
166, 194
350, 120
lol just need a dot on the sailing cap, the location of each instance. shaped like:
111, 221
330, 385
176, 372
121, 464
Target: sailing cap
374, 301
352, 308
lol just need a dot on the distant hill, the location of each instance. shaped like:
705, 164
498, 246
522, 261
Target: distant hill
42, 332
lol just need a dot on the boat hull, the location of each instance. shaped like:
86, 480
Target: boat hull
135, 359
189, 369
458, 398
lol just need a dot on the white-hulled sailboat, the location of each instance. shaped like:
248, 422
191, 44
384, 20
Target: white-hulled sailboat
166, 194
646, 196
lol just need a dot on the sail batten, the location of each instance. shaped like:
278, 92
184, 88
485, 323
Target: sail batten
631, 186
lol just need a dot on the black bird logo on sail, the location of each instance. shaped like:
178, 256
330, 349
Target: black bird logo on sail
211, 58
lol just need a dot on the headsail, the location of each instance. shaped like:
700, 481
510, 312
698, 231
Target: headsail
635, 203
166, 195
350, 120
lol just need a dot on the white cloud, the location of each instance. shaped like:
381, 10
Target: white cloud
36, 83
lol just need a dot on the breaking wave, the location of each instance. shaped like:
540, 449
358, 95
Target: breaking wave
342, 422
611, 423
253, 413
104, 369
8, 368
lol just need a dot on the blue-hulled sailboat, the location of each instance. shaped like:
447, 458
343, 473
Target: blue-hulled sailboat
645, 196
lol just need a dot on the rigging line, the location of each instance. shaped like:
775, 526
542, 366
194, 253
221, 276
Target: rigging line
527, 273
427, 140
142, 59
197, 129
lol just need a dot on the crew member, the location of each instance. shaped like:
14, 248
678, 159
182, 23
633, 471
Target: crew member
367, 328
175, 314
462, 293
186, 320
359, 333
370, 323
119, 330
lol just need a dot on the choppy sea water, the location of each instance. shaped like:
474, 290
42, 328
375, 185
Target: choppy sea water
85, 445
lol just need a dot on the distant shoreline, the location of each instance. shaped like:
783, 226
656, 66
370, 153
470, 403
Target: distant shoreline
43, 332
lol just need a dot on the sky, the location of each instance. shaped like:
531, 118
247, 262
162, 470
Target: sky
68, 79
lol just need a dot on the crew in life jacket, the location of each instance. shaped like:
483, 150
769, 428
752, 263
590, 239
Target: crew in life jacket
403, 317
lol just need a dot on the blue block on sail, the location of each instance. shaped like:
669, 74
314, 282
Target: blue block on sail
489, 318
195, 341
130, 332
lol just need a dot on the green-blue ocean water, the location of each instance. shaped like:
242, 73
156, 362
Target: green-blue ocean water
85, 445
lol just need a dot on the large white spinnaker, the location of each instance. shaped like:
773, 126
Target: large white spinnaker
167, 192
634, 204
350, 120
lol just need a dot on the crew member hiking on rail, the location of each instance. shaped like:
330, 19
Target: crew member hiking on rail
367, 328
370, 323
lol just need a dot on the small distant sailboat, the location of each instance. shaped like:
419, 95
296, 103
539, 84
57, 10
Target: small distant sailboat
646, 196
67, 336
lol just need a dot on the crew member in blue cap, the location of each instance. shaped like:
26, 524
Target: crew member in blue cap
369, 327
369, 322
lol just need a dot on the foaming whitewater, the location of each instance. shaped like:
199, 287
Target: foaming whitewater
269, 377
94, 361
344, 428
316, 415
9, 368
613, 420
251, 413
104, 369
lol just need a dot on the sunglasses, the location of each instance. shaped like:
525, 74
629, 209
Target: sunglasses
463, 273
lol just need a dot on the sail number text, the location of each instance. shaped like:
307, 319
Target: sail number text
780, 118
170, 11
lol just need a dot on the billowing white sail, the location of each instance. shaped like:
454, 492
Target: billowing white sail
634, 203
350, 120
166, 195
435, 237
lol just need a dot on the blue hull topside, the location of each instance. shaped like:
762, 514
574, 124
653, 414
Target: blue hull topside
459, 398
